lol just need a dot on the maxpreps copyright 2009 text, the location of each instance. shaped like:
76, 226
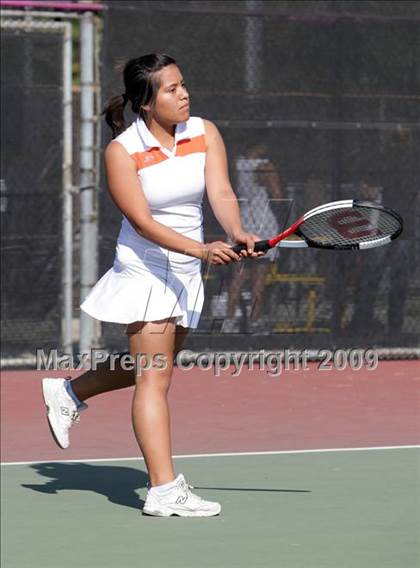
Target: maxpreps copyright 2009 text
273, 362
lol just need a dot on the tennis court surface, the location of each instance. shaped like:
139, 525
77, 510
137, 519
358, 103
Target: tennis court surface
312, 469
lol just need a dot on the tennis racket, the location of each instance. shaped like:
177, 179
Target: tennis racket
339, 225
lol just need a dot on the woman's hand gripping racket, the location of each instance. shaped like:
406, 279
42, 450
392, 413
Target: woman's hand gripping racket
339, 225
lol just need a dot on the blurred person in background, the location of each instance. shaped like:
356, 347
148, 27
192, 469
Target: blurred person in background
259, 191
367, 272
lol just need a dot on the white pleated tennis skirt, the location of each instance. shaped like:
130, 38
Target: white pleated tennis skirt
148, 289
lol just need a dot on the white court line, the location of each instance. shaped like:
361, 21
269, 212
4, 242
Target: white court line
223, 455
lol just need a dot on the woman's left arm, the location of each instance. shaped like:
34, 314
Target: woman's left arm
221, 196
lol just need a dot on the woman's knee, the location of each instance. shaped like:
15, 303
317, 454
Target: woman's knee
158, 383
155, 372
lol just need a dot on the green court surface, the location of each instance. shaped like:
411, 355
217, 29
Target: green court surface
337, 509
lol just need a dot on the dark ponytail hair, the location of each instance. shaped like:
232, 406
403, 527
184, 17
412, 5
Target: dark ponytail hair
140, 89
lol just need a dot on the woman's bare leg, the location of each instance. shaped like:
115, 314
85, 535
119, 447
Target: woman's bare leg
239, 276
103, 379
258, 284
150, 409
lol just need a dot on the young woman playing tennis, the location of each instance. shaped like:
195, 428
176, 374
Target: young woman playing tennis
157, 171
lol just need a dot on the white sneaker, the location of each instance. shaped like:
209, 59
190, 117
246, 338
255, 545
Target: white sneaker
62, 411
179, 501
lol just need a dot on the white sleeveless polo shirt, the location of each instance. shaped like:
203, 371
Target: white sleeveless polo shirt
148, 282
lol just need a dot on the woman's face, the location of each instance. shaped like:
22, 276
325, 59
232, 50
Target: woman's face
172, 100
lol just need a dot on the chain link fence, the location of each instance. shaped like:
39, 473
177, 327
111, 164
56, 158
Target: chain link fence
31, 186
315, 103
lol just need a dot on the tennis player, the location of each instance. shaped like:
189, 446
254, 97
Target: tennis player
157, 171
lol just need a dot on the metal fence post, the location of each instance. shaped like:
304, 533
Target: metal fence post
253, 48
67, 276
88, 186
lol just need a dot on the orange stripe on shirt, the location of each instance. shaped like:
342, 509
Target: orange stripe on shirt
148, 158
191, 146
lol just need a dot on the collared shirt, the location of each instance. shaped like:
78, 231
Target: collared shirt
173, 183
150, 141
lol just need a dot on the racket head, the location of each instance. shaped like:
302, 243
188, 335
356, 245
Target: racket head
349, 224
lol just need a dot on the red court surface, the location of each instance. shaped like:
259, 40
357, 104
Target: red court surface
253, 412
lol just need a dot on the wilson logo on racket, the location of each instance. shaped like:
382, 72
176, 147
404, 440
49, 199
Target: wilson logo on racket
353, 225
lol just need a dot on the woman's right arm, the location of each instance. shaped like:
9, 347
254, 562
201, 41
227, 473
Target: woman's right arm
127, 193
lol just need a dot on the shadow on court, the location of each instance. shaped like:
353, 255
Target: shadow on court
247, 489
117, 484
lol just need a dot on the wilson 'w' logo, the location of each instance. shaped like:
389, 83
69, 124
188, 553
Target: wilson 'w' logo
353, 224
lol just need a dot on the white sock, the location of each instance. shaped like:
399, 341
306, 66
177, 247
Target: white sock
161, 489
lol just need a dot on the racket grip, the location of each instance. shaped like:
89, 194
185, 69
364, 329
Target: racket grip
259, 246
